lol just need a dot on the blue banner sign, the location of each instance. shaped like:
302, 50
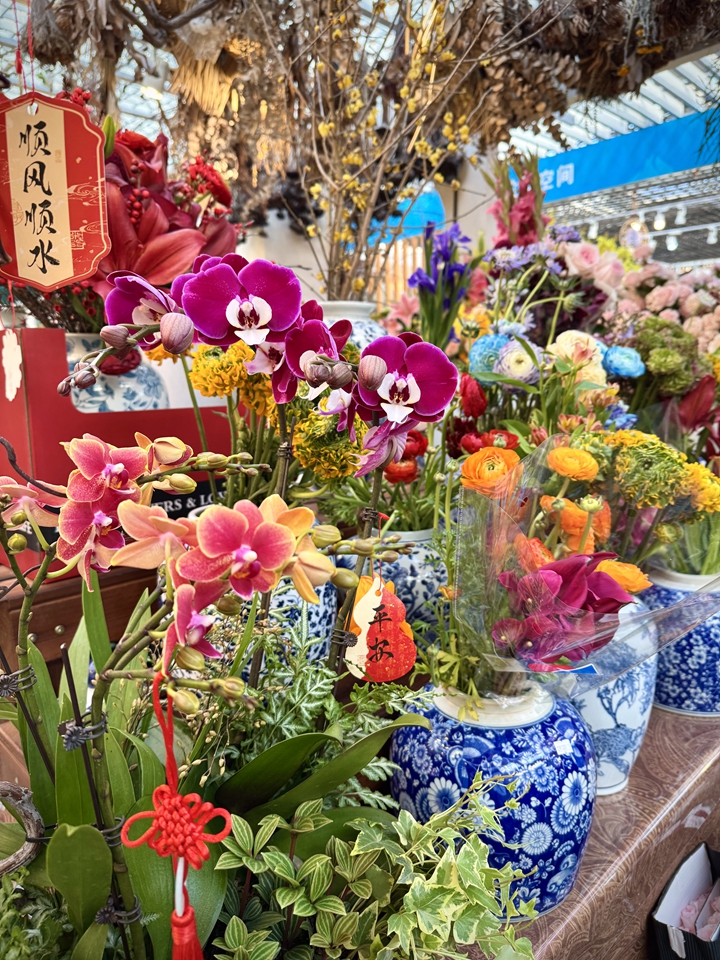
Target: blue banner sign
665, 148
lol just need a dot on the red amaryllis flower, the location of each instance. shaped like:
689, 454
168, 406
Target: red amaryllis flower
416, 444
472, 397
404, 471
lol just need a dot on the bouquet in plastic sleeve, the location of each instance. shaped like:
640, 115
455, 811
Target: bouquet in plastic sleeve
543, 585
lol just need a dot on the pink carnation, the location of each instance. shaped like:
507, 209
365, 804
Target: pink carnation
668, 295
670, 314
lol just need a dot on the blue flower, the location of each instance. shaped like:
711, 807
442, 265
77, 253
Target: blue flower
561, 232
508, 258
619, 418
483, 355
623, 362
421, 279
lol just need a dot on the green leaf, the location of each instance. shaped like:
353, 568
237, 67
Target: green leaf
267, 828
243, 834
280, 864
8, 712
321, 880
235, 934
499, 378
361, 888
588, 385
109, 128
206, 888
304, 907
152, 772
49, 716
330, 904
12, 837
475, 923
562, 366
79, 865
120, 780
265, 951
404, 925
123, 692
340, 826
288, 895
347, 764
382, 884
91, 945
344, 929
74, 803
94, 616
79, 654
152, 880
516, 426
259, 781
366, 926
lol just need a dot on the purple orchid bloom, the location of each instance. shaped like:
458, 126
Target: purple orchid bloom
228, 298
385, 444
315, 337
135, 301
420, 382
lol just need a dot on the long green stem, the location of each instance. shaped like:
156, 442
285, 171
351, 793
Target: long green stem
231, 482
199, 422
553, 325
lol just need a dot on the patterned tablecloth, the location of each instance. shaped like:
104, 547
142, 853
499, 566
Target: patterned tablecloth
671, 804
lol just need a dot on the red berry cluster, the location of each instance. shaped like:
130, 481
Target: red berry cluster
134, 203
78, 96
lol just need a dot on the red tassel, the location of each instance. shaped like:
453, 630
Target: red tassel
186, 945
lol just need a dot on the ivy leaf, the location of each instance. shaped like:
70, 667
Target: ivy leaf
428, 902
404, 926
473, 923
366, 926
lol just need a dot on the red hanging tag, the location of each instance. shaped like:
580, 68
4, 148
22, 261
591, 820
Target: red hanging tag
52, 191
385, 649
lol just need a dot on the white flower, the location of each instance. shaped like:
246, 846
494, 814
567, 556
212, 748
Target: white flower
537, 838
12, 364
442, 794
574, 792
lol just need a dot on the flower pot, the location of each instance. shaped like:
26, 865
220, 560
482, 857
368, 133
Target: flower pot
536, 741
138, 388
417, 576
365, 330
688, 677
618, 712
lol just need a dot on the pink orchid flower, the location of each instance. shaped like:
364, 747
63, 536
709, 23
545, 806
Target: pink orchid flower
102, 467
190, 627
89, 534
156, 537
239, 542
308, 568
30, 500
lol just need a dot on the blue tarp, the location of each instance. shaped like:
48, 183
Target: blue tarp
428, 208
665, 148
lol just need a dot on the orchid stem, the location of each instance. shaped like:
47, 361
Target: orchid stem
199, 422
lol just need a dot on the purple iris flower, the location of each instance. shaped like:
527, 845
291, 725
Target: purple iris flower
420, 279
445, 244
135, 301
563, 233
228, 298
419, 384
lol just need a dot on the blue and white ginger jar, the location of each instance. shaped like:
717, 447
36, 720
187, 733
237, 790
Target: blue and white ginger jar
536, 741
139, 389
365, 329
688, 678
617, 713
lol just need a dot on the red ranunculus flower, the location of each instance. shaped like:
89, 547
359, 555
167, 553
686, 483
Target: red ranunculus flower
416, 445
472, 397
499, 438
404, 471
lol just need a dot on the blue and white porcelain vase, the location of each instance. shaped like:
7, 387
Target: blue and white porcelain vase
617, 713
417, 575
141, 388
320, 616
688, 678
536, 741
365, 329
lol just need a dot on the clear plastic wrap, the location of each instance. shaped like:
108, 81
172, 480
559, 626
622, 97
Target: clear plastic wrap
518, 611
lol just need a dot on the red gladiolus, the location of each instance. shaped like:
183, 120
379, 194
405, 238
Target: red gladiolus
472, 397
417, 444
404, 471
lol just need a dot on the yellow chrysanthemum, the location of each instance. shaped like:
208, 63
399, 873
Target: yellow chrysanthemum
704, 488
218, 373
626, 438
319, 446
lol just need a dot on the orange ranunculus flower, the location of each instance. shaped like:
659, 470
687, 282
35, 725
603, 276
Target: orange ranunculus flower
574, 540
483, 471
630, 577
601, 523
572, 518
532, 554
576, 464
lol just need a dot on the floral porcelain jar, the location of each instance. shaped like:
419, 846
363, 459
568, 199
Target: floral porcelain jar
536, 741
617, 713
137, 385
688, 677
365, 329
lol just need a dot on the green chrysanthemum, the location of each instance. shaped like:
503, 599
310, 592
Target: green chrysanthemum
650, 474
319, 446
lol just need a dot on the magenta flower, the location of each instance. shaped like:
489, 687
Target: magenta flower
190, 627
31, 501
102, 467
384, 444
133, 300
239, 542
233, 299
313, 337
420, 382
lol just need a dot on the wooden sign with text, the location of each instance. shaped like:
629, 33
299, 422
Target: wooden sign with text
53, 219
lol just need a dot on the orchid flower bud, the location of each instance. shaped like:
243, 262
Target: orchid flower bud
115, 336
228, 605
176, 332
190, 659
325, 534
340, 376
16, 543
85, 378
64, 388
185, 701
180, 482
371, 372
344, 579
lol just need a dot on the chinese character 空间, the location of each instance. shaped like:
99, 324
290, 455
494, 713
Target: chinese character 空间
547, 179
566, 174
